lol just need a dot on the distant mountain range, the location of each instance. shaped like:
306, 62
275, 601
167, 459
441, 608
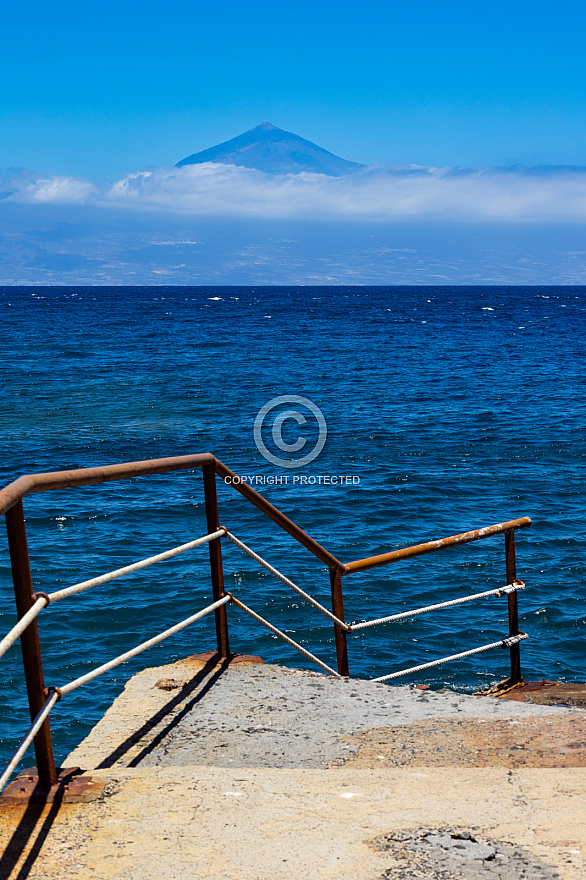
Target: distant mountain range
274, 151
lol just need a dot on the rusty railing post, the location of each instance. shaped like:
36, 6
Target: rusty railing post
513, 608
215, 548
338, 609
29, 641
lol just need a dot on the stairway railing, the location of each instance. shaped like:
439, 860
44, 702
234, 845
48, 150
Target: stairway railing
30, 604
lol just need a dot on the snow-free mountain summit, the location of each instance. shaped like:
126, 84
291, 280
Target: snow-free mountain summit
274, 151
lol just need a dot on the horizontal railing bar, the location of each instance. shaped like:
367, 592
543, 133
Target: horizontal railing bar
8, 640
29, 737
502, 591
286, 581
504, 643
44, 482
279, 518
100, 670
432, 546
285, 638
135, 566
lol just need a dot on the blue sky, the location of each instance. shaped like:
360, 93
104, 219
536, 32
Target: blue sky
98, 90
100, 100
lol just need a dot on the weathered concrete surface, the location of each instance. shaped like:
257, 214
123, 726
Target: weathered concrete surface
267, 824
263, 773
269, 716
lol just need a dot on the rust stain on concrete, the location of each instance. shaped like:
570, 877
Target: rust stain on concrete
550, 693
212, 658
546, 742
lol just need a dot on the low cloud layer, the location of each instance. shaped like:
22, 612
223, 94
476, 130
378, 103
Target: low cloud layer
381, 194
27, 187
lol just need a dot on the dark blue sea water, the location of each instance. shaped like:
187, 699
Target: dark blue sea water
455, 407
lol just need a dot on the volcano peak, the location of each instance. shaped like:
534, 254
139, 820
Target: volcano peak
274, 151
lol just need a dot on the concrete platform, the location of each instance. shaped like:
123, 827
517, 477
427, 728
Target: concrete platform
244, 771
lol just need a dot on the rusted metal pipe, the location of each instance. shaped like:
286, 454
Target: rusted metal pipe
511, 567
279, 518
15, 492
432, 546
44, 482
215, 548
338, 609
29, 641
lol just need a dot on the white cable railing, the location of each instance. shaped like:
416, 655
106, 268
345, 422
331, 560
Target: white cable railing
105, 667
284, 637
45, 599
503, 643
135, 566
403, 615
28, 738
287, 582
8, 640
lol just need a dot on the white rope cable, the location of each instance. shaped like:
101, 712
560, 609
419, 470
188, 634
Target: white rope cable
502, 591
8, 640
32, 732
287, 582
504, 643
83, 679
285, 638
135, 566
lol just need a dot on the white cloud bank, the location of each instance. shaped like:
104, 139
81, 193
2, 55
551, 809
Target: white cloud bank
380, 194
29, 188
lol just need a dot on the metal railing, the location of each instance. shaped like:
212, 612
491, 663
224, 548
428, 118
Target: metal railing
29, 605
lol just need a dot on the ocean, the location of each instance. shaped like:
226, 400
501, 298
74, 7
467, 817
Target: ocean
447, 409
